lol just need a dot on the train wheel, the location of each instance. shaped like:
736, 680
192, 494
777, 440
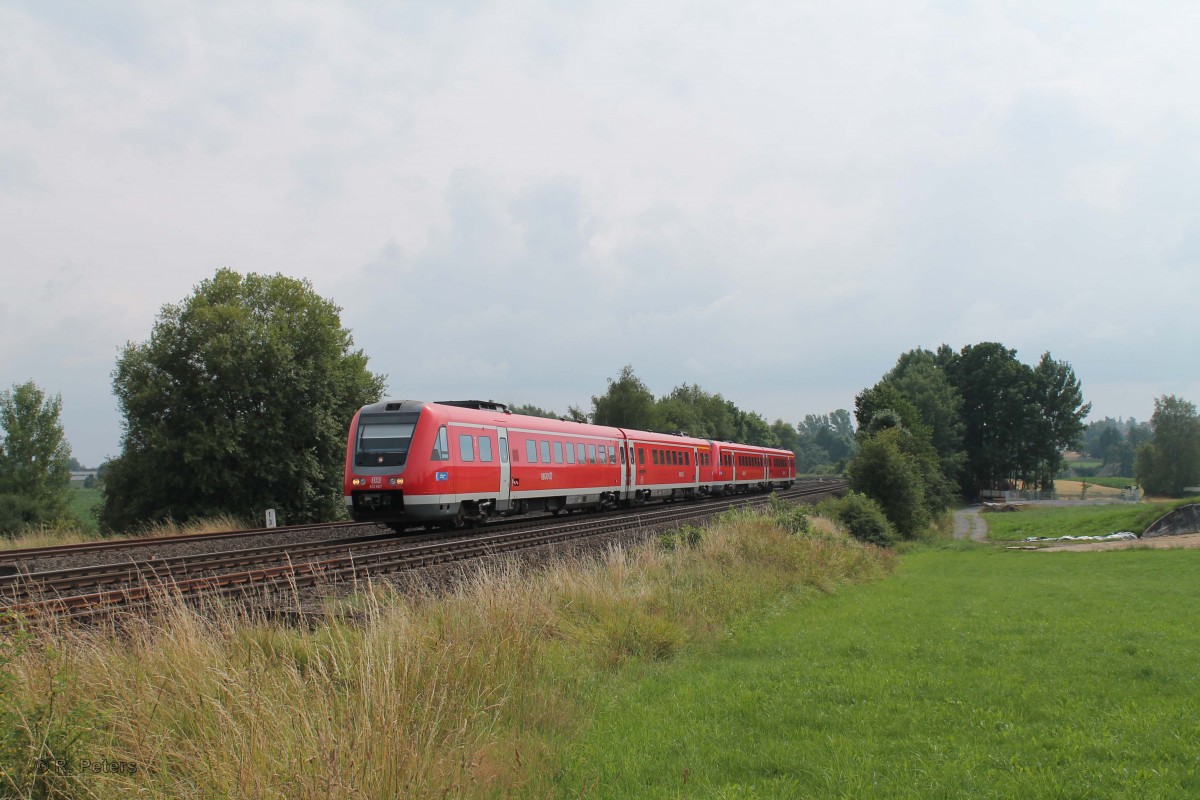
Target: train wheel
457, 522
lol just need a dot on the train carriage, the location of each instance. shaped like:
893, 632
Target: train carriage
666, 466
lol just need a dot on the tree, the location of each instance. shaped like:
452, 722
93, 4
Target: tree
1058, 422
239, 401
825, 441
698, 413
921, 377
1171, 462
1106, 444
35, 459
1016, 418
786, 433
886, 474
626, 404
753, 428
995, 388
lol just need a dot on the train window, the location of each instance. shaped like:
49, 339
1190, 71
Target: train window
591, 454
466, 448
676, 459
580, 453
441, 446
545, 452
570, 453
503, 450
612, 454
531, 451
687, 459
622, 449
641, 456
393, 437
654, 453
558, 455
485, 449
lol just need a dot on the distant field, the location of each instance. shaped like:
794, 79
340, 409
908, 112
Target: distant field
1046, 521
1067, 489
83, 504
1086, 463
976, 673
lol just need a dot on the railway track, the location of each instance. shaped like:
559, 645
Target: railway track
98, 589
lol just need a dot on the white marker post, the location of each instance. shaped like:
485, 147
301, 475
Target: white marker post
270, 518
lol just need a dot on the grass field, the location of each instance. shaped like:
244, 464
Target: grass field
1049, 522
970, 673
83, 504
1084, 463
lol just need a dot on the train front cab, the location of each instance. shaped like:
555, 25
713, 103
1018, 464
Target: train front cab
402, 464
382, 437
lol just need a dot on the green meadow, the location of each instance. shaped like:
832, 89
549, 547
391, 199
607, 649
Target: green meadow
972, 672
1049, 522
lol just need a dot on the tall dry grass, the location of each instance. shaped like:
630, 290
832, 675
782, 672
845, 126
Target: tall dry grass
68, 533
471, 694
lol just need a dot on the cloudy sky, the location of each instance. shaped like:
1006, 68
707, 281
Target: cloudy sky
513, 200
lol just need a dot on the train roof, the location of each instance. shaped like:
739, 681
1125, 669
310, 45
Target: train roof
487, 412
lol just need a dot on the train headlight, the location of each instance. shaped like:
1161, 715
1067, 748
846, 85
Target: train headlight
355, 482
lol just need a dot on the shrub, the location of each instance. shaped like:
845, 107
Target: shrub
792, 518
18, 512
862, 517
684, 536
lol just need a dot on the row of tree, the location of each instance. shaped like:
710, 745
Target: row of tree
943, 423
821, 442
1114, 442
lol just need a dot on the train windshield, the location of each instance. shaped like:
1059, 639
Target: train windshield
384, 439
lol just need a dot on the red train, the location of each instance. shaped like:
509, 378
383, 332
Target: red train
450, 462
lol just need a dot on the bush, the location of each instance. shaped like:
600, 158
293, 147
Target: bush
792, 518
18, 512
862, 517
684, 536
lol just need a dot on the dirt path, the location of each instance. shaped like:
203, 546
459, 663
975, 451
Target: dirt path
969, 523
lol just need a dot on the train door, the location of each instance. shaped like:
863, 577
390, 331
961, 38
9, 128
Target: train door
695, 467
627, 458
504, 501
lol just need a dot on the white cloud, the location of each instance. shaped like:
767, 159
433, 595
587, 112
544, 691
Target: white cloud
514, 200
